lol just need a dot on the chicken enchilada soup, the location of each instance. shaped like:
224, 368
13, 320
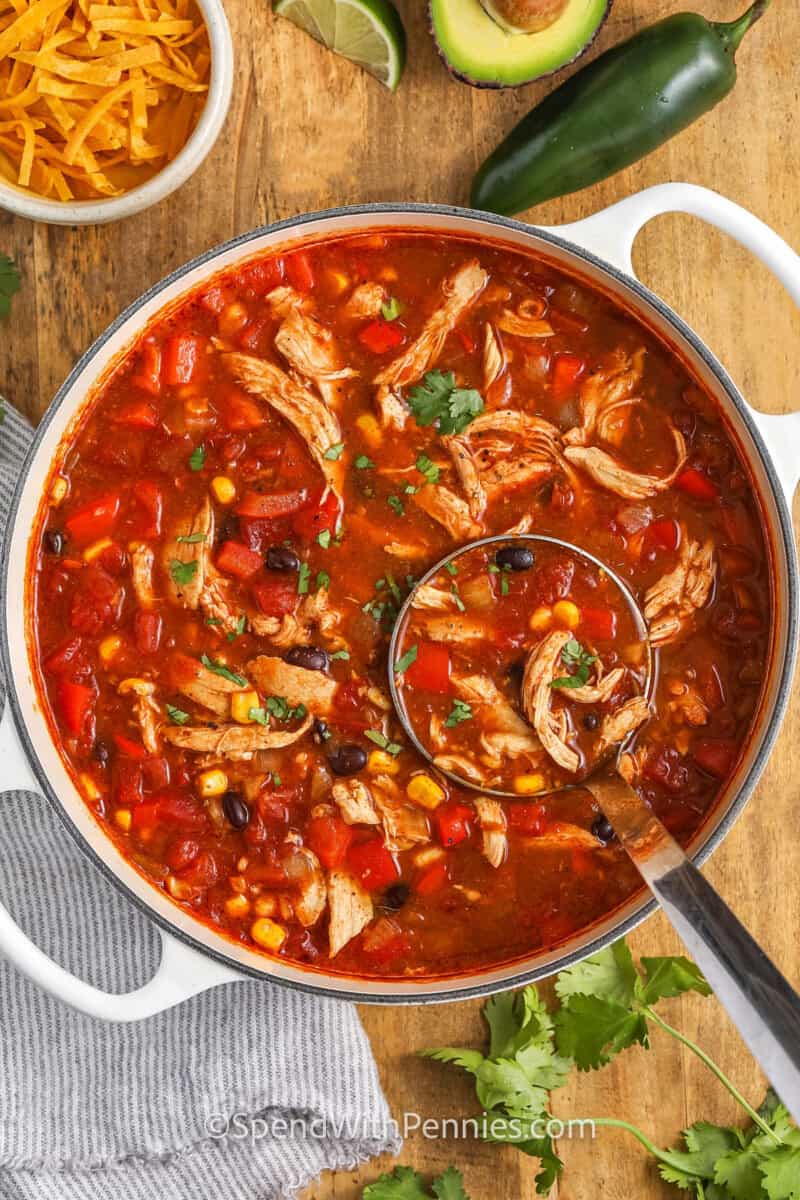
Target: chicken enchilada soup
229, 535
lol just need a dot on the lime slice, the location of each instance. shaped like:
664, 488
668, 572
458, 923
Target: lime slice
368, 32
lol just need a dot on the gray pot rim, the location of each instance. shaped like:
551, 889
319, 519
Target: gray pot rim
772, 720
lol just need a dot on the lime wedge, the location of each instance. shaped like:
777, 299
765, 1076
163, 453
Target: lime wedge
368, 32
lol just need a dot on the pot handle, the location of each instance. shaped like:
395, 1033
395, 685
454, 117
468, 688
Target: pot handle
610, 235
182, 972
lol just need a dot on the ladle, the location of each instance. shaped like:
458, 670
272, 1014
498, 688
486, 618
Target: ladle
759, 1000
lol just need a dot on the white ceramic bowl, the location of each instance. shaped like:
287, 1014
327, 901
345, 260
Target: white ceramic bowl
204, 135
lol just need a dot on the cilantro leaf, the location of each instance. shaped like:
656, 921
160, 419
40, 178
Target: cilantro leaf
705, 1143
781, 1172
303, 576
469, 1060
182, 572
281, 710
610, 975
323, 581
671, 976
191, 538
406, 660
578, 661
396, 504
592, 1030
334, 452
449, 1186
391, 309
403, 1184
197, 459
428, 469
437, 399
225, 672
342, 654
739, 1171
381, 740
461, 711
176, 715
324, 539
239, 628
363, 463
259, 715
9, 283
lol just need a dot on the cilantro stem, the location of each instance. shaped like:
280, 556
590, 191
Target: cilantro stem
616, 1123
712, 1066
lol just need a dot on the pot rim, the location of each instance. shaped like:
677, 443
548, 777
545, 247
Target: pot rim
449, 990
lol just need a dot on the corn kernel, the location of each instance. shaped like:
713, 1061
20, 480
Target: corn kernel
266, 906
241, 704
541, 619
428, 855
381, 763
529, 785
109, 648
58, 490
338, 281
424, 791
233, 318
238, 883
224, 489
211, 783
123, 818
179, 889
96, 549
268, 934
370, 429
388, 275
195, 406
90, 789
237, 907
567, 613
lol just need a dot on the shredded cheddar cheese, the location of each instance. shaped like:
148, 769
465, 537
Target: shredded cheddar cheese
96, 98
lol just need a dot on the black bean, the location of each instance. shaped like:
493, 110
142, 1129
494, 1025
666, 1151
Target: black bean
395, 896
282, 558
516, 671
101, 754
515, 558
603, 830
228, 530
236, 811
54, 541
591, 721
319, 731
347, 759
313, 658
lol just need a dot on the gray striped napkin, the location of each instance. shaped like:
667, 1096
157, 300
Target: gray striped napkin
90, 1111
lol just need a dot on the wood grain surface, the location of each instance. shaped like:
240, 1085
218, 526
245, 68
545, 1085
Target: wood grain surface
307, 131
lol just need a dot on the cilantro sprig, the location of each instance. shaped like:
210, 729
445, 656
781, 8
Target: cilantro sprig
578, 661
461, 711
406, 1184
438, 401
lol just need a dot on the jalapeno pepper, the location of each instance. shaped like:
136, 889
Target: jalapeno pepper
613, 112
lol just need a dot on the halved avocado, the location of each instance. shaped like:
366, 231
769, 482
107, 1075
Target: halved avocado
481, 43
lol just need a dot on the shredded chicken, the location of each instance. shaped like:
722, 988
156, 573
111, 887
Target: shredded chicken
233, 741
455, 627
504, 449
617, 726
142, 562
391, 409
145, 709
687, 706
432, 598
296, 685
311, 350
449, 510
355, 802
599, 691
499, 713
604, 390
313, 419
494, 360
312, 616
563, 835
527, 321
364, 302
460, 765
187, 554
303, 869
418, 549
350, 909
459, 291
604, 469
493, 826
284, 299
670, 604
542, 666
404, 824
205, 687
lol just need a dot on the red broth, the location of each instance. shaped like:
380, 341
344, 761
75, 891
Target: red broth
245, 505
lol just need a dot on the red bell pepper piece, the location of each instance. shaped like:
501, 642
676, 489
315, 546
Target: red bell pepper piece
452, 823
599, 623
262, 277
330, 839
432, 879
147, 631
148, 373
430, 670
716, 756
129, 747
155, 773
380, 336
144, 821
697, 485
183, 359
182, 853
276, 596
665, 533
94, 520
148, 496
253, 333
373, 864
235, 558
317, 516
567, 370
299, 271
216, 298
179, 808
138, 415
276, 504
239, 411
74, 702
527, 819
127, 782
64, 657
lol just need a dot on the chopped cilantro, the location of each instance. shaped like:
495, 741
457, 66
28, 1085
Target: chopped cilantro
303, 576
451, 568
428, 469
177, 715
182, 572
219, 668
324, 539
276, 779
410, 489
461, 711
191, 538
391, 309
323, 581
334, 452
396, 503
382, 741
259, 715
363, 463
279, 708
197, 459
393, 588
342, 654
578, 661
437, 399
213, 621
407, 659
460, 605
238, 630
504, 584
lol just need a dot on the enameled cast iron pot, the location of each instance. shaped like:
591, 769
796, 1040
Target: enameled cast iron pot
196, 957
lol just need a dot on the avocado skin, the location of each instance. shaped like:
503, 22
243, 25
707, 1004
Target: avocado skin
496, 85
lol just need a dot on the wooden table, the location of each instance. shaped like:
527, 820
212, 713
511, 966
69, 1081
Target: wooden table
308, 131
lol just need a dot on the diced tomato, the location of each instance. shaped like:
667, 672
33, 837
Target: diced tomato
276, 595
64, 657
127, 782
300, 271
567, 322
148, 373
204, 871
236, 559
216, 298
253, 333
599, 623
182, 852
239, 411
94, 520
97, 602
74, 702
129, 747
147, 631
317, 516
113, 559
262, 277
139, 415
697, 485
349, 704
184, 359
145, 819
380, 336
667, 767
274, 504
715, 756
155, 773
385, 941
179, 808
452, 823
432, 879
373, 864
665, 533
430, 670
528, 819
567, 371
148, 496
330, 839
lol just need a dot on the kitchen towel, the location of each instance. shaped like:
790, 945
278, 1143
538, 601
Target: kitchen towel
246, 1092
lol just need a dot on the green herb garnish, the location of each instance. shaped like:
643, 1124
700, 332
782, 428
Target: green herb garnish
324, 539
225, 672
191, 539
323, 581
406, 1184
578, 661
428, 469
391, 309
303, 576
177, 715
451, 568
334, 452
340, 654
197, 459
396, 503
259, 715
461, 711
239, 628
382, 741
437, 399
279, 708
407, 659
182, 572
362, 463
